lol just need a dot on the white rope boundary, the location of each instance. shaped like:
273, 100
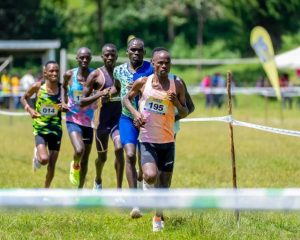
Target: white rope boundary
243, 199
227, 119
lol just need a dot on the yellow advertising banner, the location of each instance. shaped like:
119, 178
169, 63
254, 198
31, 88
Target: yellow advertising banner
261, 43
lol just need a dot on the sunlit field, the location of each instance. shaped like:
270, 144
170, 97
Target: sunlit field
264, 160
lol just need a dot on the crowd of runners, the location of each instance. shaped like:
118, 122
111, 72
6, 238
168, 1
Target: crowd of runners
137, 104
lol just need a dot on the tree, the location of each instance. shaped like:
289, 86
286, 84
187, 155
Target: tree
276, 16
17, 21
100, 22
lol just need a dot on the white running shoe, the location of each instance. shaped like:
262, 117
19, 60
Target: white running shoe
97, 186
139, 184
147, 186
136, 213
35, 161
157, 224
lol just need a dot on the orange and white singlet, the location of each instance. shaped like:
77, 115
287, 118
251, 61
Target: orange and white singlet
159, 114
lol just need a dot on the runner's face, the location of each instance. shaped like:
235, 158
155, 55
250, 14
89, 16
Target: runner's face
52, 72
109, 56
162, 63
136, 52
84, 59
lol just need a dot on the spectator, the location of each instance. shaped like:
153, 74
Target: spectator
15, 90
6, 88
206, 86
218, 82
26, 81
284, 82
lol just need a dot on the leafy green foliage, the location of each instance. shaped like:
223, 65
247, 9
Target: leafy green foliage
290, 41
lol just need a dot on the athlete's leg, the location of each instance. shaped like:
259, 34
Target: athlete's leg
87, 137
129, 135
84, 164
41, 147
130, 151
101, 145
166, 158
42, 154
53, 155
140, 170
119, 157
149, 163
53, 147
75, 134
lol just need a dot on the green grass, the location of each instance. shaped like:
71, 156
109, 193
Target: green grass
202, 161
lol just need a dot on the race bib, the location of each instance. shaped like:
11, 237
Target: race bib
77, 94
49, 110
158, 106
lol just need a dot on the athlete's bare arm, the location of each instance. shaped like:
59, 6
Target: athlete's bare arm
116, 88
33, 89
189, 102
95, 78
64, 90
179, 99
137, 88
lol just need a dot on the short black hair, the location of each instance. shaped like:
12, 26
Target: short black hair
158, 49
50, 62
109, 45
135, 39
82, 49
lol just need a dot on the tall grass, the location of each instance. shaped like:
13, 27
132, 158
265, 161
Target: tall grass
202, 161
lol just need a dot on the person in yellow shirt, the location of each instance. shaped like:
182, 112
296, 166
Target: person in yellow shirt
15, 90
6, 88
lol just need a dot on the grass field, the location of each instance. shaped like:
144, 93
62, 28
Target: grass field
202, 161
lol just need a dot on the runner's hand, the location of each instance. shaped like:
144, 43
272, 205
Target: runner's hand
33, 113
64, 107
139, 120
106, 95
172, 97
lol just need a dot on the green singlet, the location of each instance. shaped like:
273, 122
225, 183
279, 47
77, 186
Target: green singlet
49, 121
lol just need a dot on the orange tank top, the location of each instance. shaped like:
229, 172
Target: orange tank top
159, 114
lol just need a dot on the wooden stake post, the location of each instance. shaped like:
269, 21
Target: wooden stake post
234, 181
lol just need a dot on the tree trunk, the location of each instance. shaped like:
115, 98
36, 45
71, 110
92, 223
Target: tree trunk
200, 29
100, 35
171, 29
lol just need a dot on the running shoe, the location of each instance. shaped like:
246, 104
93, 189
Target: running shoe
35, 161
157, 224
136, 213
74, 174
147, 186
139, 184
97, 186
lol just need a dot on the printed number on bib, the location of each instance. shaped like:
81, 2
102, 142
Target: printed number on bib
77, 94
49, 110
157, 106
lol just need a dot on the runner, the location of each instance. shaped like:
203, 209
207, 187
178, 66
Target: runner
125, 75
46, 119
107, 115
189, 102
78, 120
160, 95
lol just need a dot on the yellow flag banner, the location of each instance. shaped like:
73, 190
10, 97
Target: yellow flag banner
262, 45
